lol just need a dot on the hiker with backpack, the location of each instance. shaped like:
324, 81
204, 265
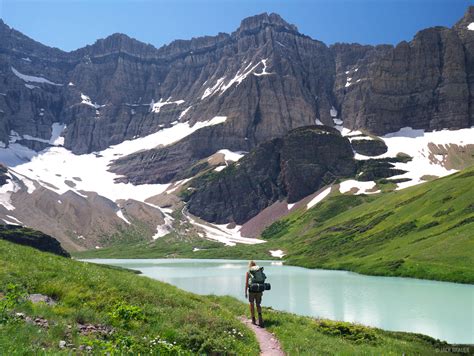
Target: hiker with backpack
254, 287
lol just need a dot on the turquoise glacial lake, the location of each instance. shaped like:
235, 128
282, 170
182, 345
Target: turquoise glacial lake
442, 310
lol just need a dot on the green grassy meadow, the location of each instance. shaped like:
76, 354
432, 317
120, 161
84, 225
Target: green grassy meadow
146, 316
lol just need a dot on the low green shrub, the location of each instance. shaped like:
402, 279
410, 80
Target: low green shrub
352, 332
14, 295
124, 314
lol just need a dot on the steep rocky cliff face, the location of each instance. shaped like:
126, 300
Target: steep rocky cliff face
425, 83
291, 167
266, 77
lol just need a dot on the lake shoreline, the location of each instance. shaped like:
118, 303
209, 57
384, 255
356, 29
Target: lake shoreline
78, 256
405, 282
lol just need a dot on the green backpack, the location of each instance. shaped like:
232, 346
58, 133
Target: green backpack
256, 275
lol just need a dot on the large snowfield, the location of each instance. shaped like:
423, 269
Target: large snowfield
56, 167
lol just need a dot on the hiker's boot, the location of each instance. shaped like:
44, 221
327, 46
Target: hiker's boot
254, 321
260, 321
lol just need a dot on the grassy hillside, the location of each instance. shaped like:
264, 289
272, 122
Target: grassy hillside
426, 231
148, 316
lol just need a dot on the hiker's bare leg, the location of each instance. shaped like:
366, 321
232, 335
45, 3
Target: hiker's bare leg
260, 318
252, 312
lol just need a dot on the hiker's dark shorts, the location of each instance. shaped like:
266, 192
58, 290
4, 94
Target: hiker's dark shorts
255, 297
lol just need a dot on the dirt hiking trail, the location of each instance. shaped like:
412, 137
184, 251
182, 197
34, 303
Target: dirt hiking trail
269, 344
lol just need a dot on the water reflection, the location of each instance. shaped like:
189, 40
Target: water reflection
441, 310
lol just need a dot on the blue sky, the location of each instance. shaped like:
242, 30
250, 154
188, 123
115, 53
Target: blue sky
70, 24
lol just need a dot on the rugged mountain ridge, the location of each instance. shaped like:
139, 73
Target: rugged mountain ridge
425, 83
124, 78
266, 77
100, 141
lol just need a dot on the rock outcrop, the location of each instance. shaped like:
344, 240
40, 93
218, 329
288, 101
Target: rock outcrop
369, 147
29, 237
3, 175
289, 168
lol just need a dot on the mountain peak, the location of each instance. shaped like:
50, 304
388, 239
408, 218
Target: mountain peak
263, 20
119, 42
466, 20
470, 12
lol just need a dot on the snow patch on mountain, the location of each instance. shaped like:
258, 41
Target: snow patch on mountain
348, 82
471, 26
212, 90
164, 229
221, 233
161, 138
57, 130
55, 140
415, 143
6, 191
277, 253
238, 78
361, 187
121, 216
264, 70
15, 154
53, 167
176, 185
349, 133
29, 183
86, 100
216, 120
184, 112
318, 198
156, 107
232, 156
33, 79
368, 138
11, 220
